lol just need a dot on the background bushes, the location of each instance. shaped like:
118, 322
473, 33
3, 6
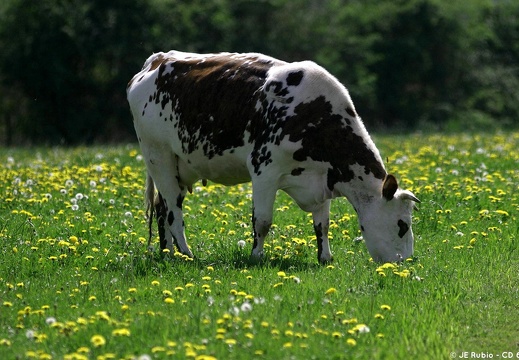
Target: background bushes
409, 65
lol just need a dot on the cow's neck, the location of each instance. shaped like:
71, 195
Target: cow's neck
360, 193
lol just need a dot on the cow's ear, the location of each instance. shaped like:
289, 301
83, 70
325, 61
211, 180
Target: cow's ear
390, 187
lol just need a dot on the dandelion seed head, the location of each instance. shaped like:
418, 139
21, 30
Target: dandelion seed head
30, 334
246, 307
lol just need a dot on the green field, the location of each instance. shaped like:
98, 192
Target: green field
77, 281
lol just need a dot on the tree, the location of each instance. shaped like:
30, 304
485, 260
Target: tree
72, 59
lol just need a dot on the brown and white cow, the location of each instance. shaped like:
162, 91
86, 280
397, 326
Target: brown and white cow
234, 118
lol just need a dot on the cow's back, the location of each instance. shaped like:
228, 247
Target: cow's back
202, 103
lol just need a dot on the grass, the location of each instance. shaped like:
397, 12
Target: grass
77, 281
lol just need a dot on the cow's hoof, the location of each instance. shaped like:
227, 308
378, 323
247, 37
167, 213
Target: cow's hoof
256, 258
326, 260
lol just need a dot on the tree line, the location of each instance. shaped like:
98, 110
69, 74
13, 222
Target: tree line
408, 64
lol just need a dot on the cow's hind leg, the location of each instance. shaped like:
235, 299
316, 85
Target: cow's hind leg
161, 215
170, 219
321, 219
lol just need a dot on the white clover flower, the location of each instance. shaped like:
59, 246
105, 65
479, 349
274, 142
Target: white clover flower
363, 329
246, 307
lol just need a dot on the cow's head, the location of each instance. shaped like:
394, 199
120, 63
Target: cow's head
386, 223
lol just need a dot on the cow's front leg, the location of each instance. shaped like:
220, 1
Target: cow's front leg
262, 205
321, 219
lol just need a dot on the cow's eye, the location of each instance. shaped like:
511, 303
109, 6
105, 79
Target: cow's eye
403, 228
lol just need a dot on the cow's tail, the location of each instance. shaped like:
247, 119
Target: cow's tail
150, 205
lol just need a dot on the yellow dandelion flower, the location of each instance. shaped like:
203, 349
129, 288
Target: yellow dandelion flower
121, 332
351, 342
282, 274
157, 349
385, 307
331, 291
231, 342
205, 357
98, 341
169, 300
155, 283
5, 342
349, 321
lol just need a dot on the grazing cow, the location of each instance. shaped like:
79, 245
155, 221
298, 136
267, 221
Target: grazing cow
233, 118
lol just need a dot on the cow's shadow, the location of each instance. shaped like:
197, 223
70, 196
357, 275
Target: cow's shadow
153, 262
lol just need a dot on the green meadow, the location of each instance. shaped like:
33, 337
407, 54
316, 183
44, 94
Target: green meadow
78, 281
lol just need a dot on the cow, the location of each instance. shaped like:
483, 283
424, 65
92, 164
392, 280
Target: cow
233, 118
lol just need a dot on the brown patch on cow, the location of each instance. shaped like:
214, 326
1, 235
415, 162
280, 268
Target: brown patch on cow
214, 99
294, 78
297, 171
351, 112
325, 137
157, 62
